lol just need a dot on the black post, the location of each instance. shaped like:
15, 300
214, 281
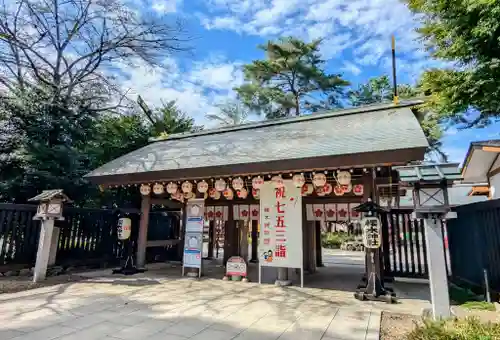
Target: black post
211, 238
230, 237
319, 248
255, 242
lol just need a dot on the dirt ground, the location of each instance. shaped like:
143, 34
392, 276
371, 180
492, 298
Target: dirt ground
12, 284
395, 326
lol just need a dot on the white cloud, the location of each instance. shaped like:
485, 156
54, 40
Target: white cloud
197, 88
364, 25
351, 68
165, 6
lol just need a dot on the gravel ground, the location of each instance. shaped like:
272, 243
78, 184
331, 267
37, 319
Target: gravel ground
395, 326
12, 284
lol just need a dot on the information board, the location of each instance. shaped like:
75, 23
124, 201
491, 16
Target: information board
193, 237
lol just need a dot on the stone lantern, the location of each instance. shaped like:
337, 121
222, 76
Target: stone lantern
430, 185
51, 205
49, 209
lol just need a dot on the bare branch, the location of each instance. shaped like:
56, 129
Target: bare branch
66, 45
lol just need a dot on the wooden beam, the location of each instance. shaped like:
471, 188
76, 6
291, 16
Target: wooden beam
491, 148
493, 172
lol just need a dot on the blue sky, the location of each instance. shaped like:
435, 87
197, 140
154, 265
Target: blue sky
226, 33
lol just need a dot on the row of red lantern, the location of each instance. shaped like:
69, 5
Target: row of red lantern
186, 191
320, 185
318, 180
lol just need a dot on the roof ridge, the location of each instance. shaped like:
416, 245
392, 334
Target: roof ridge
289, 120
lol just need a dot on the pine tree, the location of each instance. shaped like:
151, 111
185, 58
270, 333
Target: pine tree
290, 81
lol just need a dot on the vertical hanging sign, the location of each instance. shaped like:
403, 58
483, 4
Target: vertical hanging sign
280, 242
193, 240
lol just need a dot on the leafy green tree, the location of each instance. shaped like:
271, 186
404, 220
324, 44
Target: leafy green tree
379, 90
290, 81
169, 119
55, 87
466, 35
40, 145
231, 113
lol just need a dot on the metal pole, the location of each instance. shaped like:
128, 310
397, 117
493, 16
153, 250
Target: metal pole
395, 83
487, 285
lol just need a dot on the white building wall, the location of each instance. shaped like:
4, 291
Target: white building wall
495, 186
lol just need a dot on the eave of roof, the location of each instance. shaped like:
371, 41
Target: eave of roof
374, 135
475, 146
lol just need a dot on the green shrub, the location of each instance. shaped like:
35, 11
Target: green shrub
334, 240
461, 295
479, 305
468, 329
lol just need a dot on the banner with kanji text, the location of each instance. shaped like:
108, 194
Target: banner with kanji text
280, 239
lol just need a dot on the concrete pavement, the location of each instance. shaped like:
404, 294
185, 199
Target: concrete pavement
180, 309
159, 304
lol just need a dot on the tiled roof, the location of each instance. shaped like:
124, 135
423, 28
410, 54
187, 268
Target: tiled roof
429, 173
50, 194
366, 129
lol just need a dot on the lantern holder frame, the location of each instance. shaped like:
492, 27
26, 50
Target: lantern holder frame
128, 267
372, 286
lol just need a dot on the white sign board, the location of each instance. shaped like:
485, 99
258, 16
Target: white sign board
372, 237
192, 250
193, 239
280, 241
194, 225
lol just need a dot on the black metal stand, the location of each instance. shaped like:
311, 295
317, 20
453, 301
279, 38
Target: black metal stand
373, 288
128, 268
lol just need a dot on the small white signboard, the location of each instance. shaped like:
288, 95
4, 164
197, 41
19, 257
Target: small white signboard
236, 266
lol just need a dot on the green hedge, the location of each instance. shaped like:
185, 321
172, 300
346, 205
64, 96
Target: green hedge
468, 329
334, 240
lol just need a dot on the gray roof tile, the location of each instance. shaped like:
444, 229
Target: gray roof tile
374, 128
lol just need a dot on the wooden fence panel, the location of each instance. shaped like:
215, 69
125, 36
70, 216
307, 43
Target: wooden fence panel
474, 243
404, 249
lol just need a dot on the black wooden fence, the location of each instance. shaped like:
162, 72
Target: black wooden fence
86, 235
403, 245
474, 244
18, 234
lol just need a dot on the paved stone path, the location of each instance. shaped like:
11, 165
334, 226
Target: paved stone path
179, 309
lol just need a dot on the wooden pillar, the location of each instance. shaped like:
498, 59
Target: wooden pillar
368, 187
142, 238
311, 246
319, 248
230, 235
180, 225
305, 236
211, 239
255, 241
